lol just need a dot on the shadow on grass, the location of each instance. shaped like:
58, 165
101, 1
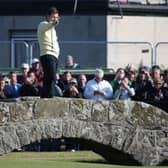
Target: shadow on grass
163, 164
107, 163
111, 155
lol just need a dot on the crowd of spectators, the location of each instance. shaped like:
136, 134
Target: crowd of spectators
146, 84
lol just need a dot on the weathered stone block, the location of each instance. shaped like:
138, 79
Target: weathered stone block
49, 109
100, 111
80, 109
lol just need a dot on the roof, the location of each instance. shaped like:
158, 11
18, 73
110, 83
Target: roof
39, 7
79, 7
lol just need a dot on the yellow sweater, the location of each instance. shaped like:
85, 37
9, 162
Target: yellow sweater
47, 39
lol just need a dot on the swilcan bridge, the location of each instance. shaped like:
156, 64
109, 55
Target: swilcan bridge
118, 130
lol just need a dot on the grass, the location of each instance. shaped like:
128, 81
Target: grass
84, 159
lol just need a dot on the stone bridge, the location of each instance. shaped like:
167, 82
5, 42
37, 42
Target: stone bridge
117, 130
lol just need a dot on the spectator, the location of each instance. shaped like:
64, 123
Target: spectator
59, 82
38, 73
155, 73
69, 63
142, 84
82, 80
24, 70
97, 88
157, 92
67, 77
30, 87
165, 77
14, 87
118, 78
124, 92
58, 91
147, 72
72, 89
132, 75
3, 92
164, 105
130, 68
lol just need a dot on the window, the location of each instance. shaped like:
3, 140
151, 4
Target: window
24, 47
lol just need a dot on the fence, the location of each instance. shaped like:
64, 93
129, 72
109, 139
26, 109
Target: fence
88, 53
161, 53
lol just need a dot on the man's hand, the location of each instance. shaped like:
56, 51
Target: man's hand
74, 89
123, 85
28, 81
99, 92
147, 75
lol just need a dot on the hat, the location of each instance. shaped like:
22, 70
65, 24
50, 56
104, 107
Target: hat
147, 68
69, 57
25, 65
73, 81
35, 60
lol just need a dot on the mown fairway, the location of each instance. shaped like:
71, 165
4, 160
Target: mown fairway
84, 159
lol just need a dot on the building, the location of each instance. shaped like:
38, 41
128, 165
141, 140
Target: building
98, 33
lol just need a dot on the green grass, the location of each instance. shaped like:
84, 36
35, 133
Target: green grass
84, 159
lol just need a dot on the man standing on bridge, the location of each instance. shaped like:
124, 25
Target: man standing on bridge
49, 51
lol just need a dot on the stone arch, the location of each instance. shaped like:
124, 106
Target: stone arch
20, 134
126, 128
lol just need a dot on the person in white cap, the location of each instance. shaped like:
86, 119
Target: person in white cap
37, 71
49, 51
97, 88
24, 73
35, 60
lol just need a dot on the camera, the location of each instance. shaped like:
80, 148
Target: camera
120, 82
29, 79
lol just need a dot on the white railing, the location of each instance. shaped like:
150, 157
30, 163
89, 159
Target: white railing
161, 54
14, 52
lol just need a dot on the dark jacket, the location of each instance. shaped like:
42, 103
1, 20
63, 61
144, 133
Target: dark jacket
30, 90
6, 94
158, 95
141, 88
